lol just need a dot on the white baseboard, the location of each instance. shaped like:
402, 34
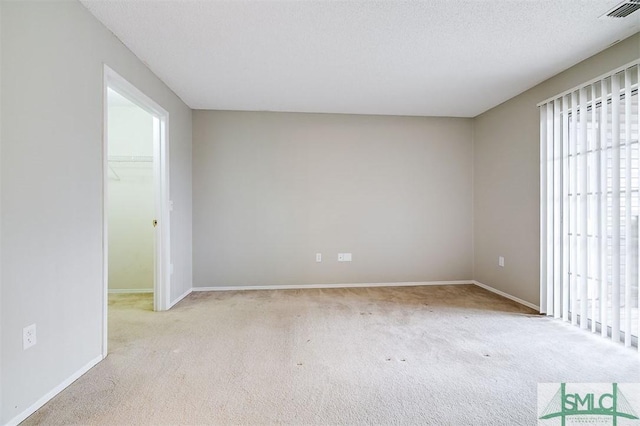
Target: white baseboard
306, 286
46, 398
508, 296
130, 290
182, 296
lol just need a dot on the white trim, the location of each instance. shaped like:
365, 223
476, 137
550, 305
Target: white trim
179, 298
130, 290
590, 82
507, 295
162, 284
163, 234
105, 213
353, 285
132, 93
49, 395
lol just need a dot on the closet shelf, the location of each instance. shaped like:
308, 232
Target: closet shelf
130, 159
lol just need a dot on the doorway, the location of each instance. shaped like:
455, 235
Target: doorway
135, 196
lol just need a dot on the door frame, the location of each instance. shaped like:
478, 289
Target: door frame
162, 272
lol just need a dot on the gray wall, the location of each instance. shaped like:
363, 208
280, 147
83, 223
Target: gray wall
507, 177
272, 189
51, 195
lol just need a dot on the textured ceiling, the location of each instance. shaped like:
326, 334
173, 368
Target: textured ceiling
434, 58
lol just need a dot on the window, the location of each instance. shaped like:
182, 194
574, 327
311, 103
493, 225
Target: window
590, 205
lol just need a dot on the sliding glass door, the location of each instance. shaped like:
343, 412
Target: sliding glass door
590, 205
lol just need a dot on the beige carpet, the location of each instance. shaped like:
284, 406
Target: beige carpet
446, 355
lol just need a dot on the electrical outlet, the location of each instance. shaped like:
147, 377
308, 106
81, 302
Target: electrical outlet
28, 336
318, 257
501, 261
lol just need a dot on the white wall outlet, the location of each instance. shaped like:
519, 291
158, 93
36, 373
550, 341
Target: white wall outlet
28, 336
501, 261
318, 257
344, 257
171, 269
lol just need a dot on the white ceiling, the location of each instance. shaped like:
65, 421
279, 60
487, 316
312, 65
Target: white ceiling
434, 58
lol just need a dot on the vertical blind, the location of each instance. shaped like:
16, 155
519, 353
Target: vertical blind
590, 205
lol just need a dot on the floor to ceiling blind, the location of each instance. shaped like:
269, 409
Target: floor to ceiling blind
590, 205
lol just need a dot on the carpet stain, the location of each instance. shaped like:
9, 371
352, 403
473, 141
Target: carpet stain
226, 358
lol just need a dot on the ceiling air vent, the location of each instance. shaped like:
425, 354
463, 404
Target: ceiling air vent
624, 9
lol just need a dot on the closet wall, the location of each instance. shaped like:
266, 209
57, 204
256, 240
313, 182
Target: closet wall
131, 197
